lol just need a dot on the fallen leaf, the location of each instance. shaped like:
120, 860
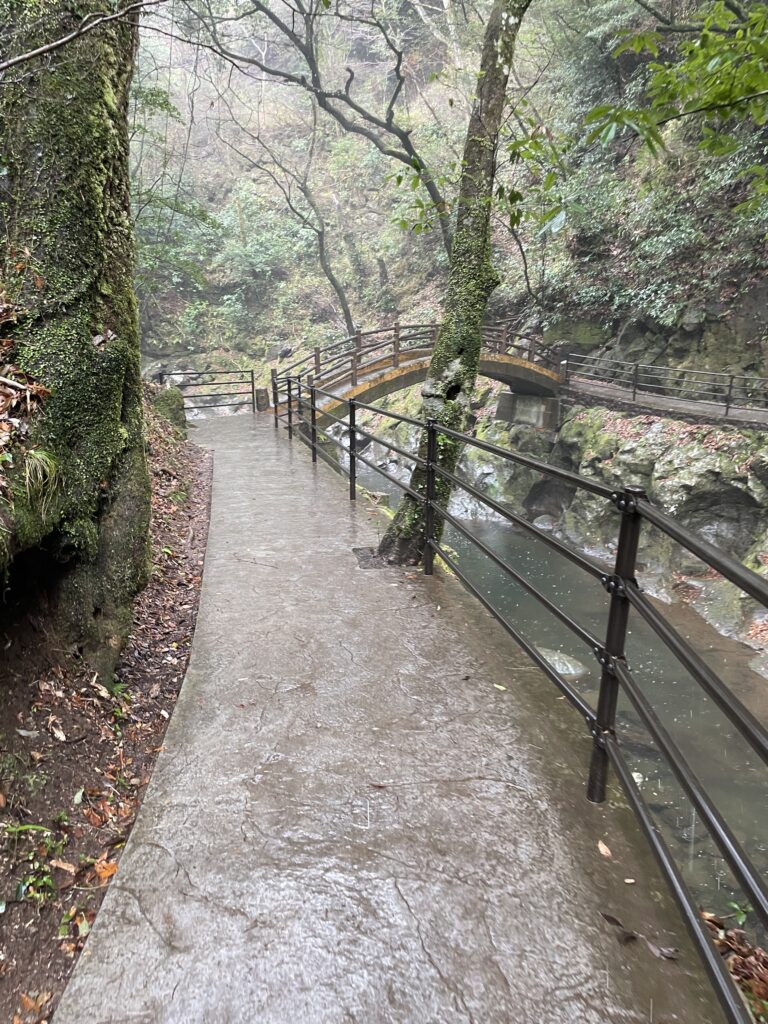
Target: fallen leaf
93, 817
604, 850
3, 799
54, 726
101, 690
64, 865
663, 952
105, 869
611, 920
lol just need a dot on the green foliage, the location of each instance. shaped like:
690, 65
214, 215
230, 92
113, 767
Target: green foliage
718, 75
41, 478
34, 846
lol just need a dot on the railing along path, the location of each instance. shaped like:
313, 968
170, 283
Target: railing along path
346, 362
204, 389
369, 354
301, 401
693, 387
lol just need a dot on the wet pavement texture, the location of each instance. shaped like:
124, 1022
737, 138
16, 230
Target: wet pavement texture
350, 821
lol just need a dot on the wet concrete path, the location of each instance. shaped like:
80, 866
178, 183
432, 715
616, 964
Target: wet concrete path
349, 822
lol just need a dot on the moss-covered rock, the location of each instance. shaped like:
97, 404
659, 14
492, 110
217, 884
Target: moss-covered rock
169, 402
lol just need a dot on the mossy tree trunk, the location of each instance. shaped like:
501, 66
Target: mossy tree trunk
68, 263
471, 279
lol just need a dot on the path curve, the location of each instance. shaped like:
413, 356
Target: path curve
369, 806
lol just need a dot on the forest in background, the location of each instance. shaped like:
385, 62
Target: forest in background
263, 226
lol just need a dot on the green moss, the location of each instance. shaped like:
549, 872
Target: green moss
169, 403
66, 210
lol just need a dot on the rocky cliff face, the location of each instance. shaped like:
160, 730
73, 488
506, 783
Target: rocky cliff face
714, 480
728, 334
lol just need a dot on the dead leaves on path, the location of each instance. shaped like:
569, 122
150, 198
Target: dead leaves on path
748, 964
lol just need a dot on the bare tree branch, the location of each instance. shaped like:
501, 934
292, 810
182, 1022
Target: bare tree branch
88, 24
389, 136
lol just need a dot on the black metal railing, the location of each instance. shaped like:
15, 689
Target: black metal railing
729, 390
203, 389
299, 399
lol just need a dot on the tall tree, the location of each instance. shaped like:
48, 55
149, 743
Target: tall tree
471, 280
67, 267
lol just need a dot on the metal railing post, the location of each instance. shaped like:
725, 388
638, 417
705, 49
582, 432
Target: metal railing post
253, 392
729, 396
317, 360
504, 341
565, 370
313, 419
428, 557
396, 345
275, 398
356, 357
290, 408
299, 406
635, 372
352, 450
615, 638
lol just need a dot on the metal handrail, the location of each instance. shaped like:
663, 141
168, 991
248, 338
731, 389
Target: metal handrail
689, 385
347, 351
211, 387
625, 594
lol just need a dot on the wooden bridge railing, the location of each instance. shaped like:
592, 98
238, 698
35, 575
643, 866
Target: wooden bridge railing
351, 357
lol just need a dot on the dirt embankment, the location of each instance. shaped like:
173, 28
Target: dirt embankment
77, 751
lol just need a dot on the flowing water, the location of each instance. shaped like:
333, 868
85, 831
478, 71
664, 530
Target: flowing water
734, 778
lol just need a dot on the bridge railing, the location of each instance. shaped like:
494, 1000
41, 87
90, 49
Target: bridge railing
351, 358
708, 386
431, 489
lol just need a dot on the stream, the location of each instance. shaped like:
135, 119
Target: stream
733, 776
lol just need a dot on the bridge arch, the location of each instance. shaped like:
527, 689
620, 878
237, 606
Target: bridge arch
521, 376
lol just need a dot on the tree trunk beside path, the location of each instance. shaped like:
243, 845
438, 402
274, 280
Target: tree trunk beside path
67, 262
471, 280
